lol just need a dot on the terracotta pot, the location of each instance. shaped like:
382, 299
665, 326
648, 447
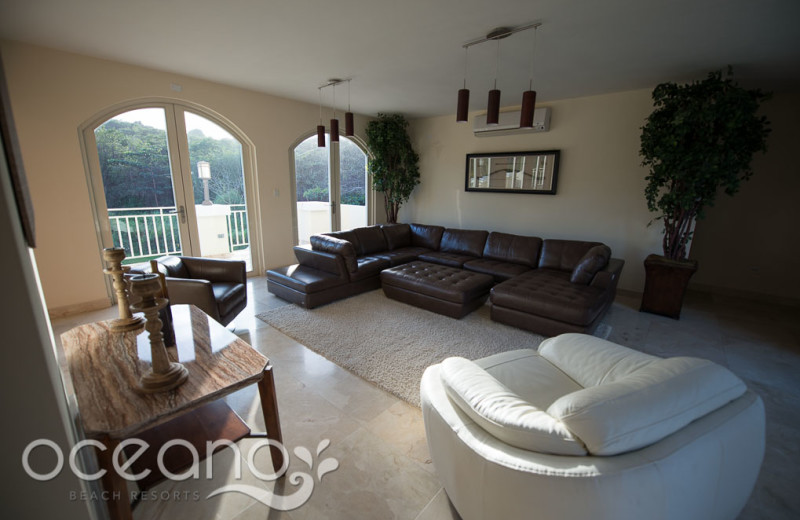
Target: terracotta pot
665, 285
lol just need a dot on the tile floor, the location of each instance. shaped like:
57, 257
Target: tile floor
384, 467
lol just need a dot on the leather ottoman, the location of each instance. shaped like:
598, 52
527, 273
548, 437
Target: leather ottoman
437, 288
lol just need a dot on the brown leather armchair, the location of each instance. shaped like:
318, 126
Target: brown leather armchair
217, 287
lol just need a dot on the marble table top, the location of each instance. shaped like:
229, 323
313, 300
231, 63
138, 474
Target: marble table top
106, 366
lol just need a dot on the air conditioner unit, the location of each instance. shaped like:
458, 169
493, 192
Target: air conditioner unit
508, 123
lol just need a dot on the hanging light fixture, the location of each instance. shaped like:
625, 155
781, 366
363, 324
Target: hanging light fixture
320, 126
493, 103
334, 121
529, 96
462, 109
348, 116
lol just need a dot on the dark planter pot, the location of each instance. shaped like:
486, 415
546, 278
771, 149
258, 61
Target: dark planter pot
665, 285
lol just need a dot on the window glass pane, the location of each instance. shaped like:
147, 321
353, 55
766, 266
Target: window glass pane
311, 168
219, 191
137, 181
353, 175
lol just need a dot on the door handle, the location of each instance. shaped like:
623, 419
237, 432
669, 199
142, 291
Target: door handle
182, 214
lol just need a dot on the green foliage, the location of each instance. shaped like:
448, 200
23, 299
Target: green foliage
311, 171
700, 138
394, 164
134, 161
317, 193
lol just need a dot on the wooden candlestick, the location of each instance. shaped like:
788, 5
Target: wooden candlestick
164, 374
126, 321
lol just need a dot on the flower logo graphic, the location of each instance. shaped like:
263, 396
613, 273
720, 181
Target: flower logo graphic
304, 480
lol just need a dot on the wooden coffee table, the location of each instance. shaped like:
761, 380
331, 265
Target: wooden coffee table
105, 367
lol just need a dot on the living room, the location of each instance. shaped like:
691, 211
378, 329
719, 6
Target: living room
56, 89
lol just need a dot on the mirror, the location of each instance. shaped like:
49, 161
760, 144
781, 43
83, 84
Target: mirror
513, 172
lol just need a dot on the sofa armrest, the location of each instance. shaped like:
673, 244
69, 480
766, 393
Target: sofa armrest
322, 261
195, 292
213, 270
336, 246
608, 277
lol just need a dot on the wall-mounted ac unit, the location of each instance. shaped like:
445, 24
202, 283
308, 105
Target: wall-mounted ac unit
509, 123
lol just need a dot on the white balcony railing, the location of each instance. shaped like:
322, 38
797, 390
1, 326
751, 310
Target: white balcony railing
151, 232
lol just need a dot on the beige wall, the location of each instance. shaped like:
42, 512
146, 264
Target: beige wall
750, 242
600, 192
53, 93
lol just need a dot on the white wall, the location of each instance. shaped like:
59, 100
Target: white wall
600, 181
32, 399
53, 93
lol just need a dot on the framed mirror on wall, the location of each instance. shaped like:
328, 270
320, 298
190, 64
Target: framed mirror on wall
513, 172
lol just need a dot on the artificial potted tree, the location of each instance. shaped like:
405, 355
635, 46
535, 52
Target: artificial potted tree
698, 141
394, 163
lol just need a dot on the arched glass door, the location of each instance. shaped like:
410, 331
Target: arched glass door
330, 187
172, 182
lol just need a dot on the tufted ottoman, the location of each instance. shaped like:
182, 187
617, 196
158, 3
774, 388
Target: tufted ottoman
437, 288
546, 302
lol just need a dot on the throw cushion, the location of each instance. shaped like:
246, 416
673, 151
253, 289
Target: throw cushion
595, 259
397, 235
647, 405
504, 414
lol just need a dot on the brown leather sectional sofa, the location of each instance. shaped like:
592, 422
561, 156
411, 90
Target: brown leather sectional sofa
546, 286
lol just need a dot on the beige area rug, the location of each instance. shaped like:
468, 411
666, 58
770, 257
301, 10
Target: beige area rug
389, 343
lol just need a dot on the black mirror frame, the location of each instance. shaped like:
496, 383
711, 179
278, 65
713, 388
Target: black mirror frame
551, 191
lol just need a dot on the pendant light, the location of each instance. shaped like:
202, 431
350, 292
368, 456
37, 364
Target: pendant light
462, 110
348, 116
334, 121
493, 104
320, 126
529, 96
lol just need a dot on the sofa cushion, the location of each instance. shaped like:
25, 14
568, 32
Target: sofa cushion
368, 267
426, 236
402, 255
550, 294
500, 270
591, 361
513, 248
370, 240
503, 413
304, 279
338, 246
563, 255
595, 259
646, 405
445, 258
397, 235
463, 241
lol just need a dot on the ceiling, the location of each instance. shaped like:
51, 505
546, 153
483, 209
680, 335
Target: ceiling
407, 56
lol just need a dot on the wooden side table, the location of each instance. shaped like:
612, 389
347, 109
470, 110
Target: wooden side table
106, 366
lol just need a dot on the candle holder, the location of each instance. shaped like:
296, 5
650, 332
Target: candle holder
126, 321
164, 375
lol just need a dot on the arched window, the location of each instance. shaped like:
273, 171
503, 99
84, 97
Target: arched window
330, 186
171, 179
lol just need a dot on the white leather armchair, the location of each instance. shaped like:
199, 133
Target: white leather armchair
587, 429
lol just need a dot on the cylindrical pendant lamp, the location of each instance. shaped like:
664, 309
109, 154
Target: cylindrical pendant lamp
348, 124
493, 107
528, 106
334, 130
462, 111
321, 136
